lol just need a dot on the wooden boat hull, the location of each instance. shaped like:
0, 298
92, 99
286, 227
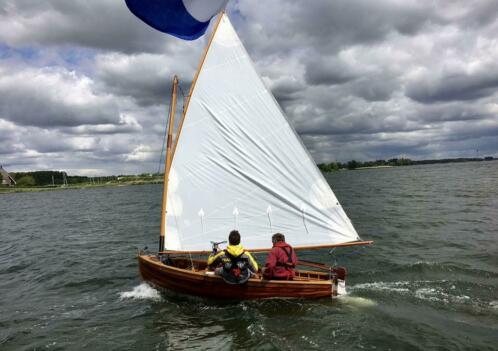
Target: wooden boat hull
198, 282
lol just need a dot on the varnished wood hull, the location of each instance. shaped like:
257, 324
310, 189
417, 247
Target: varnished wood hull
198, 283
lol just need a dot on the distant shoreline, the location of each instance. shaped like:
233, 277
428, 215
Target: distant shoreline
82, 182
375, 167
81, 186
394, 162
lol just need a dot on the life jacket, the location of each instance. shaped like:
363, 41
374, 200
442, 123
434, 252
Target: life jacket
281, 262
289, 263
236, 270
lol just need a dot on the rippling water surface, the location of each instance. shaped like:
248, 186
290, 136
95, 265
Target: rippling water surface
69, 280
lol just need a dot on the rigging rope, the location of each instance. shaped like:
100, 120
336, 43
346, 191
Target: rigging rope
166, 128
164, 137
183, 96
162, 150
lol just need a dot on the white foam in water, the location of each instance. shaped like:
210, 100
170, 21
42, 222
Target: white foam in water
141, 292
357, 301
418, 289
400, 287
439, 295
427, 294
256, 330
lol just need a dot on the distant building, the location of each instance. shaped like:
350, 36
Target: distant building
7, 180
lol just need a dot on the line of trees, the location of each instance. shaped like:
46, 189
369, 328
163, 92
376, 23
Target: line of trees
48, 178
37, 178
353, 164
56, 178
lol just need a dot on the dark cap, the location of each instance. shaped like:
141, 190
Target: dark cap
277, 237
234, 237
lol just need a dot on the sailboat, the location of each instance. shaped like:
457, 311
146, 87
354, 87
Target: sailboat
236, 163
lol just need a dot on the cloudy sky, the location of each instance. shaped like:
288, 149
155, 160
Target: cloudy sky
84, 85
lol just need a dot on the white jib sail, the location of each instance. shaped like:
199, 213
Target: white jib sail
240, 165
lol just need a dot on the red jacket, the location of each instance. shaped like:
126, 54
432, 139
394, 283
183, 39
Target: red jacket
280, 262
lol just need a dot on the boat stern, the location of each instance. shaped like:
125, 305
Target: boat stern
339, 281
341, 287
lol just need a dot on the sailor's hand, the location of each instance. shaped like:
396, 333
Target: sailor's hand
255, 275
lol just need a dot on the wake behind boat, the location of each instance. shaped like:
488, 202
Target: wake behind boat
236, 162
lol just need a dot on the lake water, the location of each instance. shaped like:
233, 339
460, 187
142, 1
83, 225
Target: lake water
69, 278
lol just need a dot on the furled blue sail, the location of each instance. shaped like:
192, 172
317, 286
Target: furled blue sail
185, 19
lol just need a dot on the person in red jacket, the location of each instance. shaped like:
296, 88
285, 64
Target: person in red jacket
281, 260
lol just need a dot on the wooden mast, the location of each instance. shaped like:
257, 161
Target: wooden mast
167, 164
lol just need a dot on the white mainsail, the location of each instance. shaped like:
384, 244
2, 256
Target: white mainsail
240, 165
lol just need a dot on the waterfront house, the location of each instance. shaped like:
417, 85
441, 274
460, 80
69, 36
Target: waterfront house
7, 179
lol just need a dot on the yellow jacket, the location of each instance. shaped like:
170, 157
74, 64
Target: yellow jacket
235, 251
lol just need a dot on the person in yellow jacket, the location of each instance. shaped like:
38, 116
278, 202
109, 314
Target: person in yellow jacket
234, 264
